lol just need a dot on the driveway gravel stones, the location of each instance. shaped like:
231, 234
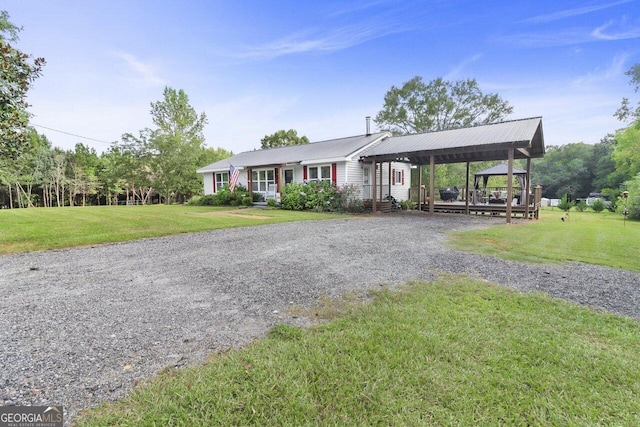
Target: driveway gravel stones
82, 326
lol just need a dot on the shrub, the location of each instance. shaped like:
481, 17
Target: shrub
408, 204
258, 197
194, 201
272, 203
226, 197
598, 205
564, 204
582, 206
208, 200
294, 196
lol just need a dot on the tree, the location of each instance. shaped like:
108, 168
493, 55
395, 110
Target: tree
567, 166
176, 146
626, 154
417, 107
626, 112
18, 70
283, 138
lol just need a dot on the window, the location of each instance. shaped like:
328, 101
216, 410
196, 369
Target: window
222, 178
320, 173
288, 176
398, 177
260, 180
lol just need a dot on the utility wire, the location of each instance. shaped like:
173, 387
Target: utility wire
72, 134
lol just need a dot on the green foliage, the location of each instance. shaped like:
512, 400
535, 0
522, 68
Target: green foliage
272, 203
564, 204
283, 138
598, 205
626, 112
570, 165
626, 154
408, 204
417, 107
294, 196
18, 70
581, 206
323, 196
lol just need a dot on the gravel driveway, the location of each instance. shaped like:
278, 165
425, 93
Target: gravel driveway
82, 326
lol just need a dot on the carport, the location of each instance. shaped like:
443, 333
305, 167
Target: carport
509, 140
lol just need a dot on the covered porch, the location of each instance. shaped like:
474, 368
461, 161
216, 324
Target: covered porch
511, 140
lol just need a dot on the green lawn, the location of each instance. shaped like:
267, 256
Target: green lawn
50, 228
452, 352
603, 239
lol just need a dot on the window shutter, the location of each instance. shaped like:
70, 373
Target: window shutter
393, 178
214, 182
304, 172
276, 175
403, 177
334, 173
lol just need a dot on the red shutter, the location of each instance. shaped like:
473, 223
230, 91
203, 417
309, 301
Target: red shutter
214, 182
393, 177
403, 177
275, 175
334, 173
304, 172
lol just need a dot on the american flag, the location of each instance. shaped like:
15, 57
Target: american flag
234, 174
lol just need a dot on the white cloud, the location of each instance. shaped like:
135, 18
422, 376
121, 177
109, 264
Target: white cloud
144, 72
567, 13
611, 73
613, 30
456, 71
319, 41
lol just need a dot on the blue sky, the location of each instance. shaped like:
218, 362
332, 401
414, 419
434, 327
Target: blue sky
320, 67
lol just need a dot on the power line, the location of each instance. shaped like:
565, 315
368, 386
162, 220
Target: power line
72, 134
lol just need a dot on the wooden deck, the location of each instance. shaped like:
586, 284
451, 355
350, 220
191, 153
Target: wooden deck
493, 209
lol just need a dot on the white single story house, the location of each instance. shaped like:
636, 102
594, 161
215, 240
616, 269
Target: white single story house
336, 160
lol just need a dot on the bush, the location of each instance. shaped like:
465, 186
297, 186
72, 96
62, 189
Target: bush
408, 205
294, 196
598, 205
194, 201
564, 204
226, 197
272, 203
323, 196
582, 206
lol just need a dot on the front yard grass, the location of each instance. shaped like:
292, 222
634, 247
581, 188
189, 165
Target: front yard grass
51, 228
452, 352
603, 239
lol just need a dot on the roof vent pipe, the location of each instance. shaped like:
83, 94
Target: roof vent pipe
368, 119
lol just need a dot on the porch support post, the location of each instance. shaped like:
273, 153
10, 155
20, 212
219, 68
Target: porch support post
527, 189
509, 185
381, 184
432, 191
249, 183
373, 187
466, 195
389, 178
420, 188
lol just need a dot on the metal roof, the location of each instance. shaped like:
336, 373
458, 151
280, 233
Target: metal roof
501, 169
315, 152
477, 143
